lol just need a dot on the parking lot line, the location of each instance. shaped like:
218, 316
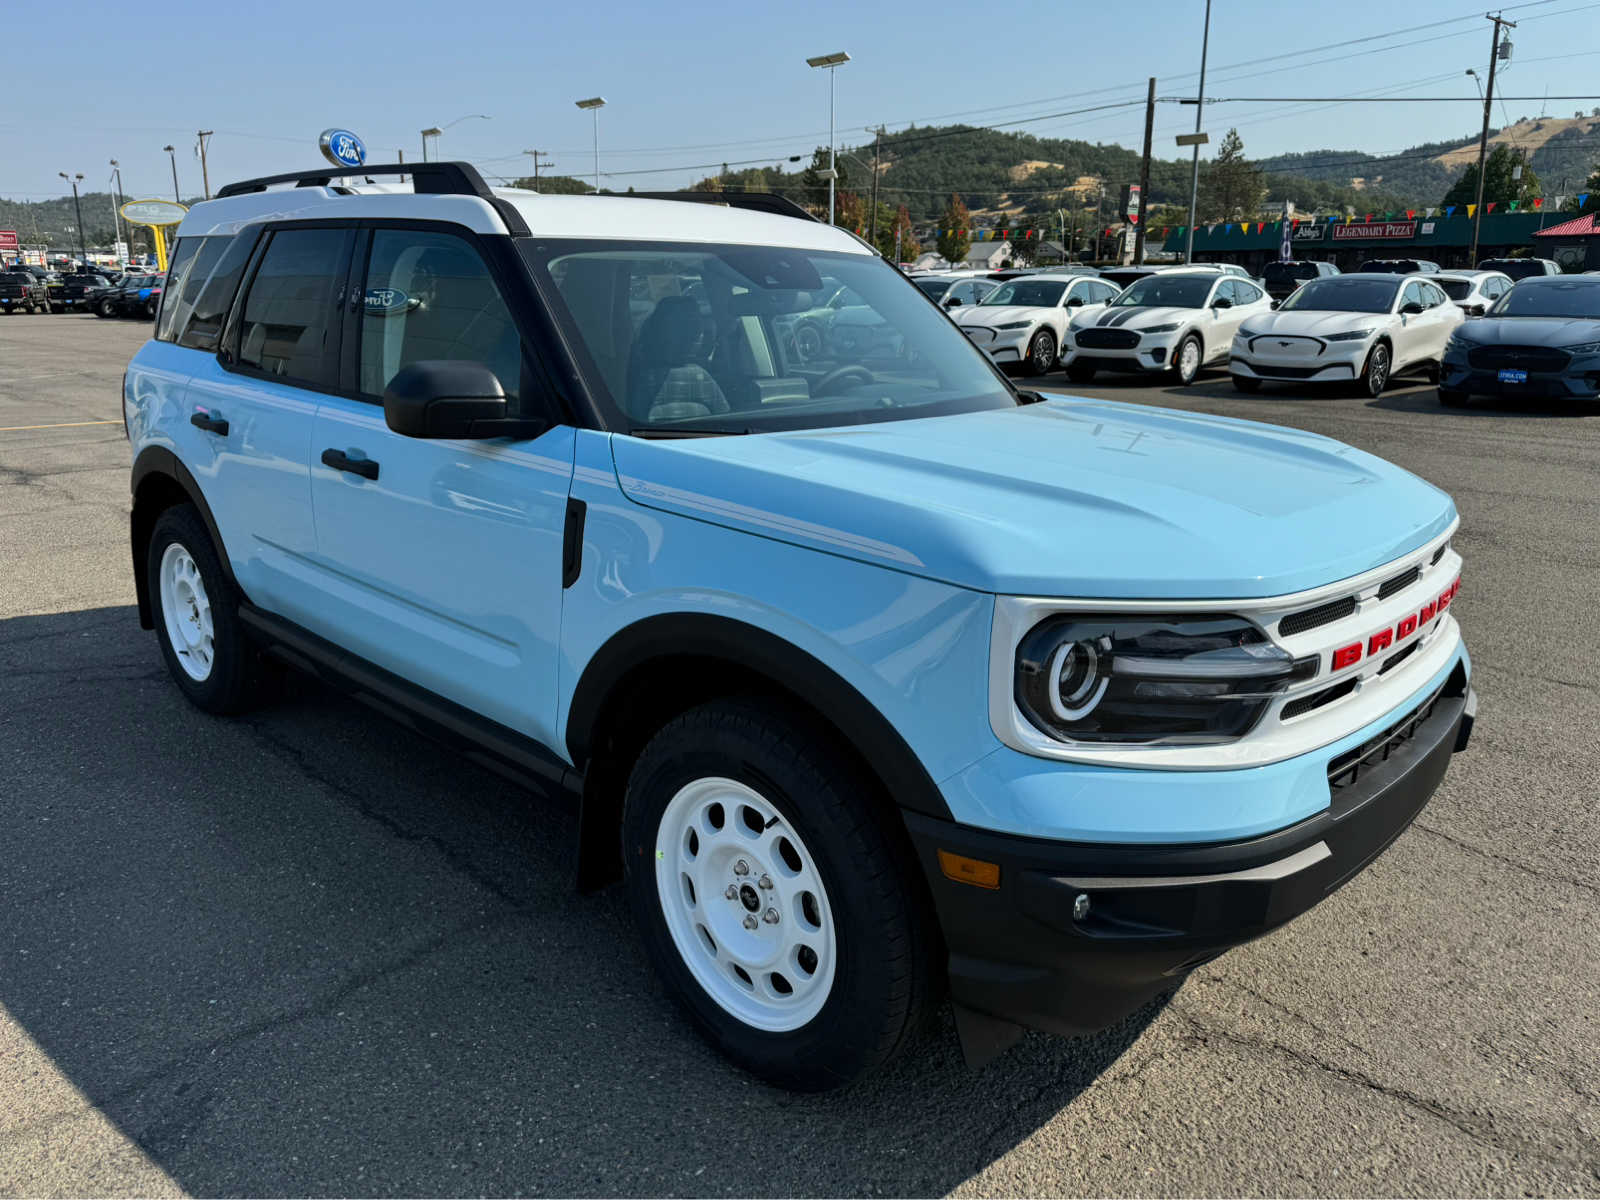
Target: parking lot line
63, 425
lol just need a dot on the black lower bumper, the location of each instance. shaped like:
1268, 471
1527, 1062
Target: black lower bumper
1549, 385
1076, 936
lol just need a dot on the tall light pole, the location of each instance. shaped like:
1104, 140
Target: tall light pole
1199, 114
205, 173
83, 247
830, 63
1497, 50
426, 134
116, 207
172, 153
594, 104
438, 130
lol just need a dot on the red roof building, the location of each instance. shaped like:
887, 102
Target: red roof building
1583, 226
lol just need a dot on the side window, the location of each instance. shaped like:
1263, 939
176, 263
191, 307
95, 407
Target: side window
1436, 297
430, 296
287, 312
1107, 292
1224, 291
208, 292
980, 292
183, 254
1412, 295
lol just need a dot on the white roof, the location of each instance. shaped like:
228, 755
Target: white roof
612, 217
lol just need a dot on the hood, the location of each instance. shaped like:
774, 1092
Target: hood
997, 314
1137, 318
1315, 324
1530, 331
1064, 498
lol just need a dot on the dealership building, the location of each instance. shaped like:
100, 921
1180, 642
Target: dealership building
1444, 240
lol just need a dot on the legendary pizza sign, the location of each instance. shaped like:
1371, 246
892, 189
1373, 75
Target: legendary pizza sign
1388, 230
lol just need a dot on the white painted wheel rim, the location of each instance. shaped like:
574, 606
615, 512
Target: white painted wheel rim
1189, 359
712, 865
186, 609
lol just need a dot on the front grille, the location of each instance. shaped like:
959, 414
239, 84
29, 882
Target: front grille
1346, 768
1438, 554
1105, 339
1327, 695
1273, 371
1526, 358
1310, 618
1398, 657
1399, 583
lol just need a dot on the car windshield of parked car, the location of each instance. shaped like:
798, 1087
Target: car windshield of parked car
1029, 293
1572, 299
1456, 289
1345, 294
699, 338
934, 288
1281, 272
1167, 291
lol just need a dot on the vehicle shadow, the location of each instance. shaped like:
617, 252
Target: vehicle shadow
1427, 400
305, 952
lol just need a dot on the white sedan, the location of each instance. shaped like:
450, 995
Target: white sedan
1361, 329
1175, 321
1024, 320
1473, 291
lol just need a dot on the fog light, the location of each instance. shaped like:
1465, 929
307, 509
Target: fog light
1159, 354
1080, 906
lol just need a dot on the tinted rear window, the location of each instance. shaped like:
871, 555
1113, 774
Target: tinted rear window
1282, 272
13, 277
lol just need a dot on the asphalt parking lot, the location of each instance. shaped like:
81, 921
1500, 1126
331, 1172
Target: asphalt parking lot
303, 953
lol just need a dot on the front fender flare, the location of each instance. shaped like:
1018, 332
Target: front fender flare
156, 471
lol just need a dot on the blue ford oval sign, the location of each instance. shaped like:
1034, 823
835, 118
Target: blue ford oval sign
342, 148
380, 302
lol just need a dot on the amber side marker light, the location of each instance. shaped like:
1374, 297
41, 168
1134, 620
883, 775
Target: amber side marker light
969, 870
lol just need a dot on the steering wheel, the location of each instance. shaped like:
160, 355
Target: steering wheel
854, 372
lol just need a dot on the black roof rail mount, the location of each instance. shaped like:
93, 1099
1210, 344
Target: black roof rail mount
767, 202
432, 178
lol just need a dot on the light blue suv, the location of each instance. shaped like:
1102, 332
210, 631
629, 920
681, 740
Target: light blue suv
879, 679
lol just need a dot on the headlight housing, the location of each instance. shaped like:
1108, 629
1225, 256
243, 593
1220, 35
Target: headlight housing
1246, 332
1583, 348
1014, 325
1170, 327
1354, 335
1150, 679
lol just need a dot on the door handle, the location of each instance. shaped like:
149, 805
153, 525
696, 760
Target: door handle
211, 424
340, 461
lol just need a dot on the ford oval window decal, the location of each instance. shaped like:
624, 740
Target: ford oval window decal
342, 148
380, 302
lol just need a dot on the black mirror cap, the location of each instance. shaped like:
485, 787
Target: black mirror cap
444, 398
1412, 309
953, 302
1074, 301
1275, 304
1222, 302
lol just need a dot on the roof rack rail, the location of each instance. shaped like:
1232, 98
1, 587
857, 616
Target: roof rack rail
767, 202
430, 178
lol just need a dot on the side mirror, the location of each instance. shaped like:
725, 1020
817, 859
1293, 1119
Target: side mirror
1475, 310
952, 302
1222, 302
442, 398
1412, 309
1275, 304
1074, 301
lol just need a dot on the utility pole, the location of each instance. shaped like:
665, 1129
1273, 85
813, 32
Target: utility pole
1483, 136
877, 138
83, 246
534, 154
205, 174
1199, 114
1144, 173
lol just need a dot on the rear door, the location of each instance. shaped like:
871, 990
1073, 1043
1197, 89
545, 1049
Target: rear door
444, 566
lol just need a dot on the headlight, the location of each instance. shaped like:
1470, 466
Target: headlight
1147, 679
1168, 328
1355, 335
1246, 332
1459, 338
1583, 348
1014, 325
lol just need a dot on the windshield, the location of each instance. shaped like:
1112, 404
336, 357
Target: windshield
1567, 299
718, 339
1346, 294
1167, 291
934, 288
1029, 293
1456, 289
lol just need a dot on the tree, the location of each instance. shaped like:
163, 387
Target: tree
891, 222
1591, 189
556, 185
953, 240
1499, 187
1231, 186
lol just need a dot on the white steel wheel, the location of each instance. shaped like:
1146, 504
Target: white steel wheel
1188, 359
186, 610
745, 905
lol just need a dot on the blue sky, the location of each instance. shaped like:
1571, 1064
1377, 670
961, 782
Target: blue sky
709, 81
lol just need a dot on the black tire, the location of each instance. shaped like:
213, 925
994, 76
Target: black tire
105, 309
1245, 383
1041, 353
1080, 372
1453, 399
234, 681
1178, 357
1375, 371
1432, 371
885, 970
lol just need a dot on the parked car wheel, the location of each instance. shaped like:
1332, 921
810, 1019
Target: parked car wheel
774, 903
106, 308
1375, 374
197, 616
1187, 360
1453, 399
1245, 383
1080, 372
1041, 353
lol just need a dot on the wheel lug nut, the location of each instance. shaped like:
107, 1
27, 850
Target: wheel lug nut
750, 922
741, 867
770, 916
765, 882
732, 893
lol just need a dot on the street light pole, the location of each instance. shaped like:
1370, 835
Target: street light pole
83, 246
205, 173
1483, 136
1199, 114
831, 63
877, 139
172, 154
594, 104
116, 207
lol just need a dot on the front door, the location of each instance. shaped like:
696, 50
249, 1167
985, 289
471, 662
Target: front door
442, 562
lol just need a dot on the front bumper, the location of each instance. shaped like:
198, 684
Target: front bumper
1580, 381
1153, 353
1332, 364
1004, 346
1020, 954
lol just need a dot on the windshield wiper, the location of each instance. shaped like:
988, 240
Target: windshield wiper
675, 431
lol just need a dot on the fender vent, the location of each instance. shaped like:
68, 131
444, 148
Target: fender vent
1310, 618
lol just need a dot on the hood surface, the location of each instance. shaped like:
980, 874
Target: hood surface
1530, 331
1315, 324
1113, 317
991, 315
1063, 498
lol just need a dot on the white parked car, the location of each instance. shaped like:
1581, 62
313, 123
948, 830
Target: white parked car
953, 291
1024, 320
1363, 329
1474, 291
1175, 321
